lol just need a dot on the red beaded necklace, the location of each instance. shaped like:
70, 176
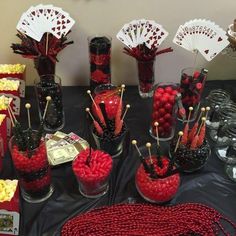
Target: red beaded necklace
146, 219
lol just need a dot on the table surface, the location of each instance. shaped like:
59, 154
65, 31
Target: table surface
209, 186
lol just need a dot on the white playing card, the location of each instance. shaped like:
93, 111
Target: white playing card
202, 35
41, 19
122, 37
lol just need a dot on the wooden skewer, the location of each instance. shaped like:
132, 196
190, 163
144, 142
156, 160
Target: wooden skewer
88, 110
148, 146
178, 141
200, 115
48, 98
189, 114
134, 142
89, 93
12, 114
13, 124
207, 111
157, 134
203, 120
122, 92
127, 108
28, 106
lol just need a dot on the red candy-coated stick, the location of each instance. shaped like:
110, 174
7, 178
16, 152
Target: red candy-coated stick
202, 135
98, 110
195, 127
184, 139
194, 143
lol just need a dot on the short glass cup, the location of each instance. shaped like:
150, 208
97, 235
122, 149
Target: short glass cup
156, 190
92, 170
50, 85
190, 160
33, 172
113, 145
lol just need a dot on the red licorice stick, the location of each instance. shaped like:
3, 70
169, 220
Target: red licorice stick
98, 127
193, 132
201, 135
184, 139
194, 142
118, 116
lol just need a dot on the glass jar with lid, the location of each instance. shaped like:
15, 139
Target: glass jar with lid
214, 100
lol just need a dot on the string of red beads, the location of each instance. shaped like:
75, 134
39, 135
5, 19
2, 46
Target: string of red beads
146, 219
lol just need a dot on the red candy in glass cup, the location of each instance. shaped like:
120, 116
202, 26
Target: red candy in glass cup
157, 190
92, 175
164, 110
110, 95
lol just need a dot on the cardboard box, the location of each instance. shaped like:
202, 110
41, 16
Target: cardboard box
9, 208
4, 110
14, 72
10, 88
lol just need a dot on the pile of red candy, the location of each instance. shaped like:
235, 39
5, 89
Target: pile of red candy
34, 172
163, 105
159, 189
92, 173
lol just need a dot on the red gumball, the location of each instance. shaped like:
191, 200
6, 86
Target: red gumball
167, 117
161, 121
168, 107
168, 89
162, 112
160, 90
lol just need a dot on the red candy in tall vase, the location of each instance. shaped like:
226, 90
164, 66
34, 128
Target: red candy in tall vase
164, 110
100, 55
191, 87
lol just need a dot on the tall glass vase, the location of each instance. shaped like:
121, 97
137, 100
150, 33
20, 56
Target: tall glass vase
100, 56
146, 77
50, 85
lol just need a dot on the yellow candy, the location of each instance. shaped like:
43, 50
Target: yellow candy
12, 68
2, 117
9, 85
7, 189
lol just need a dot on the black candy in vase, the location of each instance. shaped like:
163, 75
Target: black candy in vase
99, 50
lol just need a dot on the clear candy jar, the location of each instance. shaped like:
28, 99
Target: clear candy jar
157, 189
214, 100
225, 113
92, 169
164, 110
226, 143
33, 171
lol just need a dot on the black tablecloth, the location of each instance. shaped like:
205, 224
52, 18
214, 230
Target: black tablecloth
209, 186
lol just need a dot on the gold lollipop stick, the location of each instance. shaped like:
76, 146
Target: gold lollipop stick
178, 141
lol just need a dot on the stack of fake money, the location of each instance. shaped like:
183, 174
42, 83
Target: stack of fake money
62, 148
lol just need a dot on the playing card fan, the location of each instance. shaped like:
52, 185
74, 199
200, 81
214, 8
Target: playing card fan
42, 30
201, 35
142, 39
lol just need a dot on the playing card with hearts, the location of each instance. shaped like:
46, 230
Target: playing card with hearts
203, 36
45, 19
142, 31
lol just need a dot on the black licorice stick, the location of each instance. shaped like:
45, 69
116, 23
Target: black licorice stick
103, 109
